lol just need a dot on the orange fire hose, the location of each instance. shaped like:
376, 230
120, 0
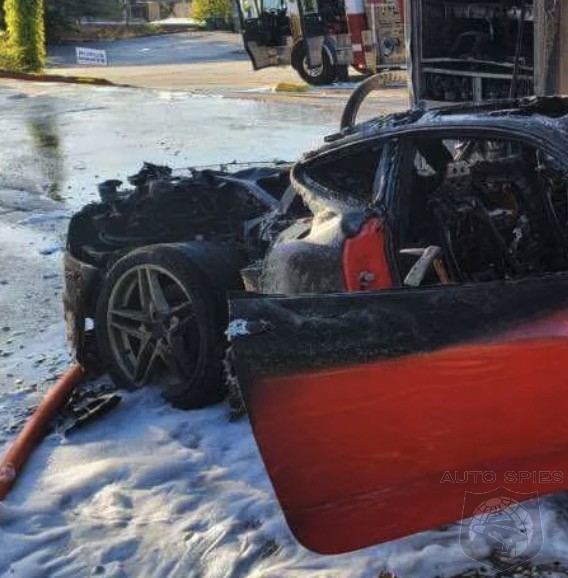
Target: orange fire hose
18, 454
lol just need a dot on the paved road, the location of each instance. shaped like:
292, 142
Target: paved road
194, 61
205, 62
180, 48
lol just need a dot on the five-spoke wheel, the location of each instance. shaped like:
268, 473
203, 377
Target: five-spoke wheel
151, 324
156, 324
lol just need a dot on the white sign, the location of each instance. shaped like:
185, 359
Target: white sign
91, 57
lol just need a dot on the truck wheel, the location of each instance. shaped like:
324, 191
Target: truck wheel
318, 75
342, 72
155, 323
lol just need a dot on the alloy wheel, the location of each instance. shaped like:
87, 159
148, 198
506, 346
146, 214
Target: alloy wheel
152, 327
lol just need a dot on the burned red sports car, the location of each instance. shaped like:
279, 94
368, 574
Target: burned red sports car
395, 304
459, 195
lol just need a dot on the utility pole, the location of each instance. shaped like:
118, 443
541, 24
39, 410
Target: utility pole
563, 64
126, 11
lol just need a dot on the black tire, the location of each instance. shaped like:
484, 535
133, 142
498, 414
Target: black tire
319, 76
342, 73
204, 384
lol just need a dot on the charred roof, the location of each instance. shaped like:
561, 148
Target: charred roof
548, 113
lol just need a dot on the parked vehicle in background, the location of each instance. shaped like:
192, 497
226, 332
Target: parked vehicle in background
321, 39
457, 50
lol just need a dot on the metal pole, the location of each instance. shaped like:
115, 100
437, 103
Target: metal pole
563, 57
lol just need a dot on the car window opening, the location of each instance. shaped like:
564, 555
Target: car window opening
351, 175
497, 209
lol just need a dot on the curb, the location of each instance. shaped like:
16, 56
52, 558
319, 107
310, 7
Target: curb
5, 74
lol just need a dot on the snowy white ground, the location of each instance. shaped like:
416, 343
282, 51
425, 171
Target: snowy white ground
148, 490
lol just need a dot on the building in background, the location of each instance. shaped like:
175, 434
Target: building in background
151, 10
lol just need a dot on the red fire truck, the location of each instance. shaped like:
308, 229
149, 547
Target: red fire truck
322, 38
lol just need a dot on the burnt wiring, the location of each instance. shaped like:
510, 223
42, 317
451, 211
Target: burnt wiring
240, 209
497, 219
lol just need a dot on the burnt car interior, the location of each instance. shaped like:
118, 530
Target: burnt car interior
488, 209
496, 209
475, 50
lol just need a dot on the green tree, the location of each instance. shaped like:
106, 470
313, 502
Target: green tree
204, 9
64, 14
73, 10
26, 33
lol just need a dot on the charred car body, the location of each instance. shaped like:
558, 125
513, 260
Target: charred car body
406, 303
448, 352
473, 194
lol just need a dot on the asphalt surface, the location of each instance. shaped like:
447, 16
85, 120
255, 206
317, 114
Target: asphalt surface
59, 141
197, 61
206, 63
179, 48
